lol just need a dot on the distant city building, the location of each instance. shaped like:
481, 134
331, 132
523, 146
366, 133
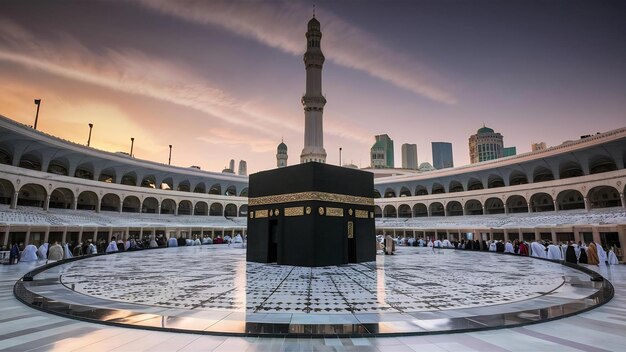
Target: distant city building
281, 155
409, 156
382, 152
509, 151
442, 155
243, 168
485, 145
538, 146
232, 165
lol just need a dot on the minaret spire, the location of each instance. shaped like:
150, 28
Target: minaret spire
313, 100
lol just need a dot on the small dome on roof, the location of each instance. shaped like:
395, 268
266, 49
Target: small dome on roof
282, 146
485, 129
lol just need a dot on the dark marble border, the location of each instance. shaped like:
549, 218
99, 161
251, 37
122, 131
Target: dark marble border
130, 319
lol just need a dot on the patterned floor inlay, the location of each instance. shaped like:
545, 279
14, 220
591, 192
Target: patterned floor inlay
212, 289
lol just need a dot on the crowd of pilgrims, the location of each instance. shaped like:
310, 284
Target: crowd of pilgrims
577, 253
57, 251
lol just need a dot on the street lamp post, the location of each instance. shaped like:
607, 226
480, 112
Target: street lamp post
89, 139
169, 161
132, 143
340, 156
37, 102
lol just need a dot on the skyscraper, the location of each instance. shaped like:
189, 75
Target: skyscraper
442, 155
409, 156
313, 101
509, 151
243, 168
381, 152
485, 145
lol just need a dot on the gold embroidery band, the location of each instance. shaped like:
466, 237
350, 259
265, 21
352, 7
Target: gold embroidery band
260, 214
295, 211
361, 214
334, 211
310, 196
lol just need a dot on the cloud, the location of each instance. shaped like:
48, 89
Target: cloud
131, 71
279, 24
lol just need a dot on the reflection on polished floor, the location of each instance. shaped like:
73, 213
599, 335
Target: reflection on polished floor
427, 286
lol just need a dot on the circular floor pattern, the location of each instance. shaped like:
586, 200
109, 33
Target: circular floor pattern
212, 289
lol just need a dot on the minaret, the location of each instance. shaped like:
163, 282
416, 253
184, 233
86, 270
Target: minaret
281, 155
313, 101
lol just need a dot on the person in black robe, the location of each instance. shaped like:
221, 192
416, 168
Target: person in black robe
500, 247
583, 256
485, 246
570, 255
476, 245
181, 242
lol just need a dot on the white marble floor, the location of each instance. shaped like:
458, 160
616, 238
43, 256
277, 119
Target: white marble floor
25, 329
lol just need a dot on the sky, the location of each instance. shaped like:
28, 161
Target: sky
222, 80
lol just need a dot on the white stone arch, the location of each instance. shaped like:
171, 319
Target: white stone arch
216, 209
201, 208
131, 204
150, 205
87, 200
436, 209
454, 208
32, 195
389, 193
603, 196
494, 205
7, 189
455, 186
473, 206
541, 201
404, 211
110, 202
419, 210
421, 190
516, 203
231, 191
230, 210
601, 163
404, 191
570, 199
185, 207
168, 206
61, 198
390, 211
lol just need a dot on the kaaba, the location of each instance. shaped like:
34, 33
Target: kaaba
311, 214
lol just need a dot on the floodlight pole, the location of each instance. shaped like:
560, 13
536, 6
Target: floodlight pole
89, 139
38, 103
132, 143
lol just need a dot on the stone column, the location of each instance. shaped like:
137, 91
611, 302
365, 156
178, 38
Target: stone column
596, 234
530, 207
537, 235
121, 205
556, 206
46, 203
7, 232
506, 235
553, 233
27, 238
621, 197
212, 234
64, 237
621, 233
97, 206
14, 200
46, 235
